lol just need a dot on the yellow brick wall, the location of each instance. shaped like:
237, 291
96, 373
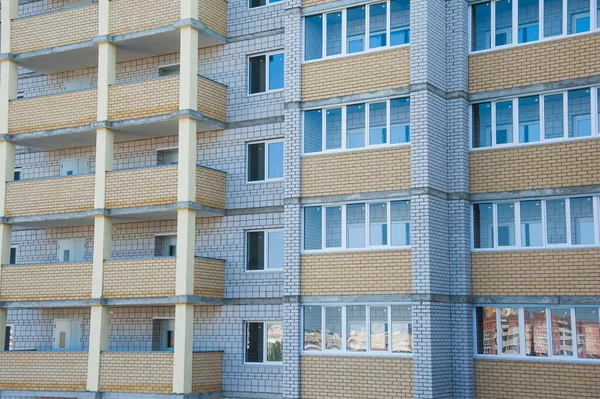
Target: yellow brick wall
143, 99
565, 164
354, 273
211, 187
46, 282
76, 108
212, 98
43, 371
536, 380
356, 172
141, 372
50, 196
141, 187
207, 372
128, 16
310, 3
69, 26
552, 272
553, 61
139, 278
343, 377
213, 13
209, 278
356, 74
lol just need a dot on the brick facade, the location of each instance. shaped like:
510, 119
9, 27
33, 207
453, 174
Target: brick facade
121, 372
125, 15
207, 369
140, 278
144, 99
209, 278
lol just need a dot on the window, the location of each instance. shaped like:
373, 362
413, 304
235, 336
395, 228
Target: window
261, 3
481, 26
265, 73
264, 250
580, 113
357, 226
264, 342
8, 338
168, 156
166, 245
543, 223
77, 84
529, 119
358, 329
18, 175
357, 126
74, 167
14, 253
265, 161
482, 125
169, 70
366, 27
71, 250
578, 16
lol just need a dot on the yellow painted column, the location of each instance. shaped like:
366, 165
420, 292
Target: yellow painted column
3, 314
10, 10
99, 325
7, 171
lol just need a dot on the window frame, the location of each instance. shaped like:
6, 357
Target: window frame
265, 362
268, 4
19, 170
267, 72
266, 143
265, 250
16, 248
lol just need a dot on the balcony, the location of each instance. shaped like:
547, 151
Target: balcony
43, 371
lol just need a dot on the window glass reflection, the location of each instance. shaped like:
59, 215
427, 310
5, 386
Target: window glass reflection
509, 319
536, 332
356, 328
562, 332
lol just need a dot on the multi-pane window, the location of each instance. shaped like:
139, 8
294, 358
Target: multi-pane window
534, 119
537, 223
264, 342
355, 226
357, 126
357, 29
13, 255
374, 329
265, 161
538, 332
265, 73
499, 23
261, 3
264, 250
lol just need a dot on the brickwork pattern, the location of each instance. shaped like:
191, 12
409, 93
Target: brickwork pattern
553, 61
139, 278
141, 187
553, 272
310, 3
356, 172
122, 372
46, 282
213, 13
354, 273
536, 380
212, 98
354, 74
211, 187
209, 278
50, 196
75, 108
207, 372
144, 99
125, 15
60, 28
337, 377
566, 164
43, 371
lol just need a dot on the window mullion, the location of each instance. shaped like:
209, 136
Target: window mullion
542, 119
368, 226
388, 122
515, 22
499, 331
390, 342
367, 27
549, 334
265, 343
565, 115
344, 127
324, 130
516, 128
574, 337
495, 223
323, 228
266, 143
596, 209
388, 20
568, 219
493, 25
522, 346
266, 250
323, 328
595, 122
344, 332
324, 36
367, 125
344, 29
493, 105
368, 324
544, 225
564, 18
344, 226
517, 208
389, 225
541, 19
267, 73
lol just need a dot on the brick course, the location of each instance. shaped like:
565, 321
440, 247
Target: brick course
139, 278
207, 372
212, 98
211, 187
213, 13
141, 187
139, 372
209, 278
126, 15
142, 99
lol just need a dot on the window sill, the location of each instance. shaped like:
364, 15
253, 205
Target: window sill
262, 93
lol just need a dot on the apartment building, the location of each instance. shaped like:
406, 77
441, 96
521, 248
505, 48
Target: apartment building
292, 199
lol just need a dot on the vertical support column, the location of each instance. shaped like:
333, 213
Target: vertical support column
10, 10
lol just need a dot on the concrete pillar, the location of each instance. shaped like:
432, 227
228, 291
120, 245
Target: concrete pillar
188, 77
99, 326
8, 90
7, 170
5, 240
10, 10
3, 314
184, 346
107, 56
104, 17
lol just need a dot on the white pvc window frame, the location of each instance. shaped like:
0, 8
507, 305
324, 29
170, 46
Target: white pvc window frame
265, 337
266, 232
266, 143
267, 72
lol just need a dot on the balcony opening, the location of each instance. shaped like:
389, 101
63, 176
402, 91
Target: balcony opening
163, 335
74, 167
67, 335
166, 245
167, 156
71, 250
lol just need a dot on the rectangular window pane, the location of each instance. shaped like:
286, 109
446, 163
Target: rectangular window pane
553, 116
509, 319
378, 123
355, 126
276, 71
580, 113
256, 250
529, 14
356, 328
400, 215
529, 119
257, 3
588, 333
275, 160
553, 17
487, 331
531, 224
355, 225
582, 221
536, 332
258, 74
399, 22
333, 328
378, 224
379, 328
275, 239
400, 120
556, 222
256, 162
312, 227
312, 328
13, 256
503, 22
333, 227
334, 33
402, 329
254, 342
481, 26
378, 25
598, 99
313, 37
562, 332
313, 131
483, 225
482, 125
355, 29
504, 122
506, 225
578, 16
333, 129
274, 342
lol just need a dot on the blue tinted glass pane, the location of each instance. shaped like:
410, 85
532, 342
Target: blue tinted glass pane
333, 129
529, 15
400, 121
312, 227
355, 29
529, 119
483, 225
482, 125
275, 160
481, 26
355, 126
553, 116
333, 226
580, 113
553, 12
313, 37
334, 33
503, 22
377, 25
399, 22
582, 221
275, 257
578, 16
504, 122
377, 123
313, 131
276, 71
